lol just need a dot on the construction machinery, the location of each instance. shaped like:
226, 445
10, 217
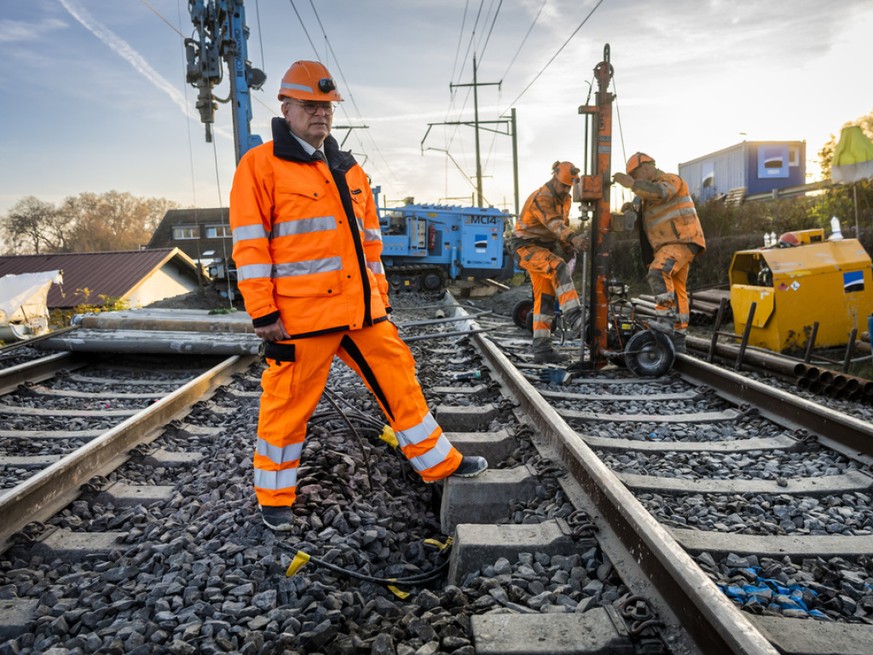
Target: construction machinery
803, 291
424, 246
220, 32
612, 332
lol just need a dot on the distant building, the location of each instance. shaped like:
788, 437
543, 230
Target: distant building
139, 277
748, 168
202, 234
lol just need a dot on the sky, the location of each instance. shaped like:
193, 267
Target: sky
93, 96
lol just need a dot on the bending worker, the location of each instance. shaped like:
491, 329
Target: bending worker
669, 226
307, 247
544, 242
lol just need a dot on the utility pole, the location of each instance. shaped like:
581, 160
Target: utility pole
510, 130
349, 133
476, 84
514, 159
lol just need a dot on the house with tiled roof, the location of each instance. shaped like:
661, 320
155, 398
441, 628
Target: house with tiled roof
202, 234
138, 277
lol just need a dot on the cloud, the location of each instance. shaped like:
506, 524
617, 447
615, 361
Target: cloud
124, 50
12, 31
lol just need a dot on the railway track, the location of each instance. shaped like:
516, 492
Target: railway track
692, 513
69, 418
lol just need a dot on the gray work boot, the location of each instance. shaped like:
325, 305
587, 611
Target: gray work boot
543, 353
470, 466
573, 321
280, 519
676, 336
661, 326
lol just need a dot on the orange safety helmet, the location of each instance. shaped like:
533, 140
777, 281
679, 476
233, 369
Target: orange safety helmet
788, 240
309, 80
636, 160
565, 172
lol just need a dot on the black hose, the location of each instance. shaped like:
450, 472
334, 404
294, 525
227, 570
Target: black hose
426, 576
329, 396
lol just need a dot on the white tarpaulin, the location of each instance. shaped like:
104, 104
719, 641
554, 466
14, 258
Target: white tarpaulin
23, 300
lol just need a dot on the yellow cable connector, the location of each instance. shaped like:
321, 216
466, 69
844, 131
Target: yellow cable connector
439, 544
402, 595
389, 437
299, 560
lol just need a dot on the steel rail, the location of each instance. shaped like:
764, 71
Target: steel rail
713, 622
845, 434
53, 488
38, 370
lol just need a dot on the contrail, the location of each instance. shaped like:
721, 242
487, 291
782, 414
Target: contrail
122, 48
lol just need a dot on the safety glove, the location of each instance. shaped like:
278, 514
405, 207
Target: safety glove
553, 376
580, 242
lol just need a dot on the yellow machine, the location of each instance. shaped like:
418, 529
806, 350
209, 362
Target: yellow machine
798, 281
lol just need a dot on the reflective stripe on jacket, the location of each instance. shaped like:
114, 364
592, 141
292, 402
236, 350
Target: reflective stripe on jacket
544, 218
306, 238
668, 212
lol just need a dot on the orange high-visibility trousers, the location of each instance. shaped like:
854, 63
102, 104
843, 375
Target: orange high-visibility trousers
549, 278
292, 390
668, 275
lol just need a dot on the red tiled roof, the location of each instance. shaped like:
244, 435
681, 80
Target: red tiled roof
109, 274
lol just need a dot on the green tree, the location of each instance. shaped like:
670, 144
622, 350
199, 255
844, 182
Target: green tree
826, 154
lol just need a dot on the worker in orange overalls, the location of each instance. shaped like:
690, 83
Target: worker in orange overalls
544, 242
307, 247
669, 226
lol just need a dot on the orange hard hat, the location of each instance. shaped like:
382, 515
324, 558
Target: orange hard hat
788, 240
636, 160
565, 172
309, 80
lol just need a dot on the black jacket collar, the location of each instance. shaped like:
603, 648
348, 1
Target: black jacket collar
285, 146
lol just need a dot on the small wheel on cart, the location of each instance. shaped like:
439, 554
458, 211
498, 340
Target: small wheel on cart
649, 354
522, 314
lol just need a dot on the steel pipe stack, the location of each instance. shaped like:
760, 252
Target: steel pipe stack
811, 377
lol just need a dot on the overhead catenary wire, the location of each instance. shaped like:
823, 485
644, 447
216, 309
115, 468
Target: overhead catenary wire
524, 40
452, 133
555, 56
303, 26
158, 14
625, 193
490, 30
347, 87
260, 34
460, 38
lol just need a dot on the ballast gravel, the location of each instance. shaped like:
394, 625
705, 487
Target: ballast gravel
202, 574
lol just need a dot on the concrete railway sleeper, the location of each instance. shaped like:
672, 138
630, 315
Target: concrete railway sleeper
187, 567
554, 549
749, 492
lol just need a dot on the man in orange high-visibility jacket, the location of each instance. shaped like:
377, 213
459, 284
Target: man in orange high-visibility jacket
307, 247
670, 225
543, 242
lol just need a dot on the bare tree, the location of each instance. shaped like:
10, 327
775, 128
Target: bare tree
33, 226
113, 220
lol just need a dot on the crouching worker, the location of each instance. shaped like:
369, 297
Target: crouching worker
670, 236
307, 247
544, 242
